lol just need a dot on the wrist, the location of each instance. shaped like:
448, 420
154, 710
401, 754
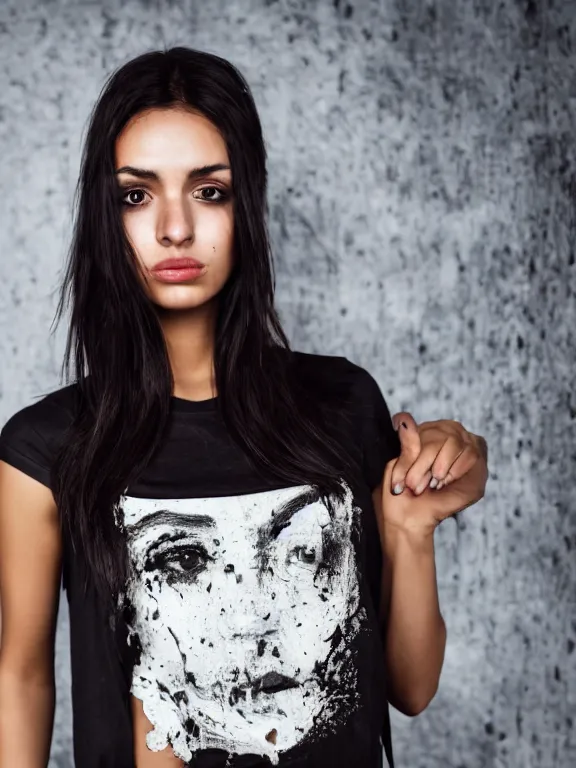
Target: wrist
414, 537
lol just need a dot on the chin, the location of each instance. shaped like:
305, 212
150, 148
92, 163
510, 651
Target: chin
187, 300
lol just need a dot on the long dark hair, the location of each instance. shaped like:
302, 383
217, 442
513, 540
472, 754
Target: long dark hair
122, 371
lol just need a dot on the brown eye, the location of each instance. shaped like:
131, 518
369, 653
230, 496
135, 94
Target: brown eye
128, 197
207, 195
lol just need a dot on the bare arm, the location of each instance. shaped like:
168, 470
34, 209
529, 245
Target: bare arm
415, 639
30, 563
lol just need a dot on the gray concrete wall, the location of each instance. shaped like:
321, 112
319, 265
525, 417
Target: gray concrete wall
423, 177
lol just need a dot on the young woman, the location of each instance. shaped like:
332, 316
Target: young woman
218, 506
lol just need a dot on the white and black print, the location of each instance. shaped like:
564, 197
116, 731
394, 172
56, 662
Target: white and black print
242, 612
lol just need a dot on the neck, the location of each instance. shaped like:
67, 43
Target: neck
189, 338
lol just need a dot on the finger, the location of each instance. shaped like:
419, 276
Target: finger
419, 474
448, 468
403, 416
481, 444
409, 436
410, 447
424, 472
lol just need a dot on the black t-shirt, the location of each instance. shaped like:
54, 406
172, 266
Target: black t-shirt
253, 636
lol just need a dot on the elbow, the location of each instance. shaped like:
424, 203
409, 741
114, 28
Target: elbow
26, 673
414, 706
414, 709
425, 701
408, 710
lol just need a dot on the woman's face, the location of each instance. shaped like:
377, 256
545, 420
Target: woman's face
240, 603
175, 184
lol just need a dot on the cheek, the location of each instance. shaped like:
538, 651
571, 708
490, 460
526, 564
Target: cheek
213, 230
219, 254
140, 233
188, 607
309, 619
181, 612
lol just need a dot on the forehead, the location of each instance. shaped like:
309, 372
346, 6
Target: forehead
158, 137
228, 513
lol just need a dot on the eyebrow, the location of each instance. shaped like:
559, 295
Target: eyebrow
195, 173
284, 514
270, 531
266, 532
166, 517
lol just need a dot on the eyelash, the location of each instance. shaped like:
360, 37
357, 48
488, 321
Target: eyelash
126, 191
163, 559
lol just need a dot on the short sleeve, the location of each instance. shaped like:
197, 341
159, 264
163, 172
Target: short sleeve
380, 441
22, 446
29, 440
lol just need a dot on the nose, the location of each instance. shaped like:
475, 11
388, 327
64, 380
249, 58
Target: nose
175, 224
250, 613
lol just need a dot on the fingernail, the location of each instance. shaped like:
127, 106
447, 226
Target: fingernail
440, 485
433, 482
420, 488
398, 488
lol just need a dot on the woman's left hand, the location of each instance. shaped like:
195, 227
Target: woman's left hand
443, 450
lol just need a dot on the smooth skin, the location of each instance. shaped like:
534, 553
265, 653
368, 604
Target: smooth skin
441, 470
176, 214
30, 563
173, 215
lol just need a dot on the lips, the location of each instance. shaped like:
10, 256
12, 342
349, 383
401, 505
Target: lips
270, 683
182, 263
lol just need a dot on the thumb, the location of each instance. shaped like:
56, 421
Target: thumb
410, 446
407, 429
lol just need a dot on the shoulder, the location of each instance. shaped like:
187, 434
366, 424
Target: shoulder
31, 437
349, 380
47, 415
354, 394
326, 366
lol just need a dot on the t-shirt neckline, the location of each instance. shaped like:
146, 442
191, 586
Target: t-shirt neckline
193, 406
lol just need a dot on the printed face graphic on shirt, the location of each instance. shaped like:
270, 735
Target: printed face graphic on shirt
242, 611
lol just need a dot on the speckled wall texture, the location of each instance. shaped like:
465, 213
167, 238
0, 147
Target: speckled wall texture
422, 183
